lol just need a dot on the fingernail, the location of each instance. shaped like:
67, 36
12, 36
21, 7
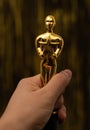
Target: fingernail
67, 73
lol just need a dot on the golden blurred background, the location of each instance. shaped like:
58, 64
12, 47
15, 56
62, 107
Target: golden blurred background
21, 21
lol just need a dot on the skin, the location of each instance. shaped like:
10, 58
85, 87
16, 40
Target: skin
31, 105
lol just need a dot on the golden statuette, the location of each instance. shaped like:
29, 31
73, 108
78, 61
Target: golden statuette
49, 46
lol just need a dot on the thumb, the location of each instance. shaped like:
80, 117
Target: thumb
57, 84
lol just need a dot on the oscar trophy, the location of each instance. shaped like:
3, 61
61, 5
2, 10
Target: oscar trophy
49, 46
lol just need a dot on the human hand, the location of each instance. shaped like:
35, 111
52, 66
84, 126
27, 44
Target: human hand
31, 105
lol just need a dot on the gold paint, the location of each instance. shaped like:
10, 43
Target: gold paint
49, 46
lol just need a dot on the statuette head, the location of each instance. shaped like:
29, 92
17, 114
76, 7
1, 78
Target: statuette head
50, 22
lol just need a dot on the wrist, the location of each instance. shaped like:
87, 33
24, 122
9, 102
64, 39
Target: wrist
9, 123
6, 124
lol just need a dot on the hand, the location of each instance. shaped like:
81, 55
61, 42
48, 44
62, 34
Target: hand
31, 105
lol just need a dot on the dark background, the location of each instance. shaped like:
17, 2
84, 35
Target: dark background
21, 21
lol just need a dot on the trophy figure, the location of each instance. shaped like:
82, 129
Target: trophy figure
49, 46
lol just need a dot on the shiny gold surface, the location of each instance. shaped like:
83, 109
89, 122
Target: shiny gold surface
49, 46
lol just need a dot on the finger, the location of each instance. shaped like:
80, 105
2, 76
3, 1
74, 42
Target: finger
36, 80
57, 84
32, 83
62, 113
59, 102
